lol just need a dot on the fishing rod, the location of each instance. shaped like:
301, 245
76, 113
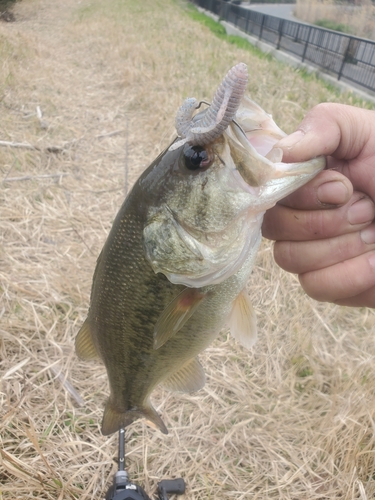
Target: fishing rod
123, 489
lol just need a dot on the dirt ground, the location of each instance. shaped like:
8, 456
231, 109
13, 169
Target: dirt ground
88, 95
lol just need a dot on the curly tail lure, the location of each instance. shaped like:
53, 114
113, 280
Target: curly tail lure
209, 125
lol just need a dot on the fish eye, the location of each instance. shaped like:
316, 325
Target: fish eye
196, 158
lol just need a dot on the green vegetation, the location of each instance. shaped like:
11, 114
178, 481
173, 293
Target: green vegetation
332, 25
213, 25
219, 30
358, 20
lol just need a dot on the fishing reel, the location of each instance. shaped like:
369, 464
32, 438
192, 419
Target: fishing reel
123, 489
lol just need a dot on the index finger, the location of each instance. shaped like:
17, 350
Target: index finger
327, 190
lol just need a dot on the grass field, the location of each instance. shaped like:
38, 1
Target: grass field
358, 20
90, 90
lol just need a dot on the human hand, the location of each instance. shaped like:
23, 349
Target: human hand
325, 232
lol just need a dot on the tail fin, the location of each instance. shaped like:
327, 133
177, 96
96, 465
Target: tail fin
113, 419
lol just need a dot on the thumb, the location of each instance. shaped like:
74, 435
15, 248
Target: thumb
329, 129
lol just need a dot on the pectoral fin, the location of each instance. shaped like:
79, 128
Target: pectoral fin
176, 314
242, 321
190, 378
84, 344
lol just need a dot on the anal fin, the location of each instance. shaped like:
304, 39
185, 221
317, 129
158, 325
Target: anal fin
84, 344
190, 378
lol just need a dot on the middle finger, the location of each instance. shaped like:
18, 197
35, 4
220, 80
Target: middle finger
304, 256
284, 223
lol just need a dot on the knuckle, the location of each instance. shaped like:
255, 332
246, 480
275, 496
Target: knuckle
316, 287
285, 256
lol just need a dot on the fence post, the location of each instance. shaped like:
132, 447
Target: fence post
297, 34
220, 13
344, 59
281, 25
224, 10
238, 14
306, 44
261, 27
247, 21
216, 6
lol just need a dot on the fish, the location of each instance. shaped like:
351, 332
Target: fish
174, 268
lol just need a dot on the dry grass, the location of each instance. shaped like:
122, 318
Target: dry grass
293, 418
360, 18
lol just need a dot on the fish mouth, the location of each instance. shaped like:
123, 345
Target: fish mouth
257, 159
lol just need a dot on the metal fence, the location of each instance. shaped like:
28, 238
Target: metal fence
348, 57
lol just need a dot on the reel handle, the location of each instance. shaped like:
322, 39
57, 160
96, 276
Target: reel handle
171, 486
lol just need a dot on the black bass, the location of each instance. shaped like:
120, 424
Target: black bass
174, 268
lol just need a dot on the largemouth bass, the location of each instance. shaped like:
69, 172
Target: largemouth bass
174, 268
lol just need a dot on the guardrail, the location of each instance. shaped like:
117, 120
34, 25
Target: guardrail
348, 57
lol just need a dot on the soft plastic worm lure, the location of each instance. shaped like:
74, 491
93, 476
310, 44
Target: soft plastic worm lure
205, 127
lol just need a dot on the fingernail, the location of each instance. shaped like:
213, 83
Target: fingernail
361, 211
368, 235
333, 193
291, 140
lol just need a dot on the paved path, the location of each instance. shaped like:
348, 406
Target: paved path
283, 10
